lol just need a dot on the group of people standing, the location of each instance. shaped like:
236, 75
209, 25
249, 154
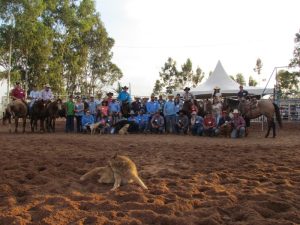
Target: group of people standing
156, 115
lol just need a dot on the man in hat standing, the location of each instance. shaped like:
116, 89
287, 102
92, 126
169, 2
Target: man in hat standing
93, 107
46, 93
124, 96
170, 114
217, 92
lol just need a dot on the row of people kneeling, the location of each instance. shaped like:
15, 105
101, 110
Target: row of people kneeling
225, 125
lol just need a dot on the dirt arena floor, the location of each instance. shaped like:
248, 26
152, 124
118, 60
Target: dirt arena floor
191, 180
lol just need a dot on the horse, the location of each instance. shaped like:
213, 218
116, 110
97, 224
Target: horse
229, 104
125, 109
37, 113
17, 109
252, 110
53, 110
187, 108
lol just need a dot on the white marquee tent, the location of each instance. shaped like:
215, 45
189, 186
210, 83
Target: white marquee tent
220, 78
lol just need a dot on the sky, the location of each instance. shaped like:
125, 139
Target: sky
148, 32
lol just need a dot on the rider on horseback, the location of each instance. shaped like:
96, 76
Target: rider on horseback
33, 97
46, 94
124, 96
187, 96
242, 94
125, 101
18, 93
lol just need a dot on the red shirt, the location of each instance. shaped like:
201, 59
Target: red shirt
18, 93
209, 122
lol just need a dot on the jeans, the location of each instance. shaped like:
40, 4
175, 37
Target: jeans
238, 133
197, 130
78, 124
70, 124
170, 123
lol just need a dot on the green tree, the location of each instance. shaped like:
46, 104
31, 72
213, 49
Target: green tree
168, 78
252, 82
184, 77
198, 77
240, 79
171, 79
258, 66
61, 42
288, 82
295, 62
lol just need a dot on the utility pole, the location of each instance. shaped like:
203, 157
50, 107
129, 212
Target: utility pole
9, 69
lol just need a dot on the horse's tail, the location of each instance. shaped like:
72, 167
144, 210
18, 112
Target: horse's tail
278, 116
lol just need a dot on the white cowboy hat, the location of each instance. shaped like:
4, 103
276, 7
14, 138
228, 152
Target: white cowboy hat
235, 111
216, 88
47, 85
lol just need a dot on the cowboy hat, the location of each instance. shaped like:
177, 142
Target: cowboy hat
216, 88
47, 85
110, 93
125, 87
235, 111
186, 89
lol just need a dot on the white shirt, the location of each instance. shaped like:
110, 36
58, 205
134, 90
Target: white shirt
46, 95
34, 95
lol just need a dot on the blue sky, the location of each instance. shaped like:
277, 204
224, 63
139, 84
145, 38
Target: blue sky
235, 32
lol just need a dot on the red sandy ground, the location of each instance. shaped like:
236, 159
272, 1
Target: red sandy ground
191, 180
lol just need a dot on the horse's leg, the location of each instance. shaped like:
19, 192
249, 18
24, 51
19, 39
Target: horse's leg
53, 125
16, 124
9, 122
41, 125
32, 123
269, 127
24, 123
274, 128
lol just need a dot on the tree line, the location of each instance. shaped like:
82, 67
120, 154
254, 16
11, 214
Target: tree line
171, 78
60, 42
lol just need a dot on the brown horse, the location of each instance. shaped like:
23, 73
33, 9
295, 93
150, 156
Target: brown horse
16, 109
53, 110
257, 108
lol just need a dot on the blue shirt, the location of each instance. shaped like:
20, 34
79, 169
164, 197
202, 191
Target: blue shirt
133, 118
92, 107
87, 120
170, 108
199, 121
152, 107
178, 105
124, 96
142, 118
114, 107
80, 108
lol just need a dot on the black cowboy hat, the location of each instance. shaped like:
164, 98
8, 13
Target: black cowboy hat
186, 89
125, 87
110, 93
